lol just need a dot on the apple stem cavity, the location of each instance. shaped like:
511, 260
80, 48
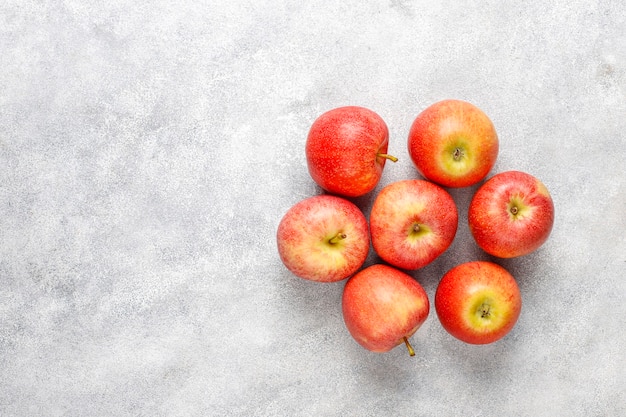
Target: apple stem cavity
485, 310
457, 154
409, 347
417, 230
514, 210
337, 238
387, 156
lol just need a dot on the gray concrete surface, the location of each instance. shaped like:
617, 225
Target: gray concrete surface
149, 149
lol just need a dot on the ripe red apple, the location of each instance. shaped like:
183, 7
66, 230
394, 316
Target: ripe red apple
323, 238
346, 150
453, 143
412, 222
478, 302
383, 307
511, 214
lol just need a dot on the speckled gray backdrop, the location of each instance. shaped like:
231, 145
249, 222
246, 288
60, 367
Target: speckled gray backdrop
149, 149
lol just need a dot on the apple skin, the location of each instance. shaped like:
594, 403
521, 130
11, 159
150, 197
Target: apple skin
478, 302
453, 143
346, 150
382, 307
323, 238
511, 214
412, 222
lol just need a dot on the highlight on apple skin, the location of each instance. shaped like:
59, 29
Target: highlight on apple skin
382, 307
511, 214
478, 302
453, 143
323, 238
346, 150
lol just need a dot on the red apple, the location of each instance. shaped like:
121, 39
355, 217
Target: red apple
412, 222
511, 214
478, 302
346, 150
323, 238
453, 143
383, 307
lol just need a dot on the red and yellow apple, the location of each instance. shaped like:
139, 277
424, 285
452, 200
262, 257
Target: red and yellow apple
453, 143
323, 238
478, 302
511, 214
382, 307
346, 150
412, 222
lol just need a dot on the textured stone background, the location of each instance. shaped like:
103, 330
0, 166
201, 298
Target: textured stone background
149, 149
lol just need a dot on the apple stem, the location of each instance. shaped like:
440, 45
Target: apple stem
337, 238
514, 210
409, 347
387, 156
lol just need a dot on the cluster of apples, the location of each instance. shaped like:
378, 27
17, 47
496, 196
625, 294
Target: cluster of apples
326, 238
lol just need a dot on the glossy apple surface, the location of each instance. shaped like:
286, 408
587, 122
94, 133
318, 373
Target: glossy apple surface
323, 238
383, 307
478, 302
346, 150
453, 143
412, 222
511, 214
